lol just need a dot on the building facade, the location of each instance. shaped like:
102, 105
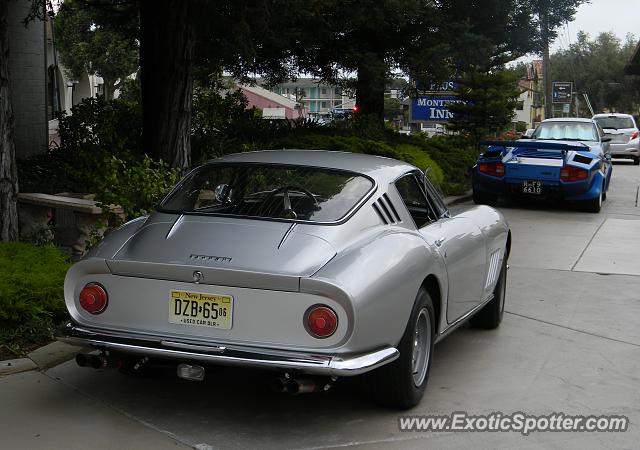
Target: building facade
318, 99
530, 109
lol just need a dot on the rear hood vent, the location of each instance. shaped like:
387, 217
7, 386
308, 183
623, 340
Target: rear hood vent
224, 243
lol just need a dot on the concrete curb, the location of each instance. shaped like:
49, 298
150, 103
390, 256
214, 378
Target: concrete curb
41, 359
454, 200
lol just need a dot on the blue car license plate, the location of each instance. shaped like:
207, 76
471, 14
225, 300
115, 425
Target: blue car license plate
532, 187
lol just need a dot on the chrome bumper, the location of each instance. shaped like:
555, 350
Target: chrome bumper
158, 347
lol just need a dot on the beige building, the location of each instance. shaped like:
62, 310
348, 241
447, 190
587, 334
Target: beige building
530, 109
318, 99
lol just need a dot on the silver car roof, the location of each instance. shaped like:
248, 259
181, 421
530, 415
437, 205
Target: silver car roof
612, 115
379, 168
569, 119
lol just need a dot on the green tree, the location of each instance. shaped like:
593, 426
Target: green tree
487, 103
596, 66
94, 39
549, 16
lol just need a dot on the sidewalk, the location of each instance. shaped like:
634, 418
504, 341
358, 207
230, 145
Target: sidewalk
40, 412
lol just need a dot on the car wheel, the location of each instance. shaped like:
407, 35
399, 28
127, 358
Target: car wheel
594, 204
636, 160
401, 384
484, 198
490, 316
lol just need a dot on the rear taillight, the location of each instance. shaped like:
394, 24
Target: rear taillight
569, 173
495, 169
635, 135
320, 321
93, 298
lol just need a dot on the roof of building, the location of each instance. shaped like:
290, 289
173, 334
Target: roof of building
633, 66
272, 96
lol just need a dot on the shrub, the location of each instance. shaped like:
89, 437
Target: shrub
96, 130
31, 286
134, 185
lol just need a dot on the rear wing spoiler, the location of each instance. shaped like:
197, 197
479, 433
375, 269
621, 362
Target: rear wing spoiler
537, 145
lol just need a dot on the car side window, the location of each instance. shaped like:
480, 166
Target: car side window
414, 199
433, 196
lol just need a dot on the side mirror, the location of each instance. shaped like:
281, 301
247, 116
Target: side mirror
223, 193
605, 139
527, 134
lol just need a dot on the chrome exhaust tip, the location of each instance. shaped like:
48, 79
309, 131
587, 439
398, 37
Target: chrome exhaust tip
295, 386
191, 372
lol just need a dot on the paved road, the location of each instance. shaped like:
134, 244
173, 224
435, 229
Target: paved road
570, 342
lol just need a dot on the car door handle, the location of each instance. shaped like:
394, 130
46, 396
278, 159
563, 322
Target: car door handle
438, 242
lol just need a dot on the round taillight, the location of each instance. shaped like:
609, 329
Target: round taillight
321, 321
93, 298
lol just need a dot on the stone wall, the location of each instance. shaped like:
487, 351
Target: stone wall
28, 80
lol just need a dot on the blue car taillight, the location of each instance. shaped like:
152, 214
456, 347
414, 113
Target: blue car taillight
494, 169
569, 173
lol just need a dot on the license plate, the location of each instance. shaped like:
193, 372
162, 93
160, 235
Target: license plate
205, 310
532, 187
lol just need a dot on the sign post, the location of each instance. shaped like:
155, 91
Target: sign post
562, 92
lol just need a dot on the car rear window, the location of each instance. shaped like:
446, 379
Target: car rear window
566, 131
270, 191
615, 122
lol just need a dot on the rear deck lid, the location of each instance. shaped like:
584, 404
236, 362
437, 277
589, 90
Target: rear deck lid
228, 243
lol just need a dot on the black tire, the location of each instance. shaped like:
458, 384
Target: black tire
484, 198
636, 161
595, 204
490, 316
393, 385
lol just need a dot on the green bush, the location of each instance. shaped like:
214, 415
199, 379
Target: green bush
31, 286
135, 185
96, 130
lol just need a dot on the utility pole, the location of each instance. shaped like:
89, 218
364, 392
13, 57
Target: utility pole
546, 66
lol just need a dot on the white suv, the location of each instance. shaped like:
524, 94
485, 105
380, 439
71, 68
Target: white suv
625, 137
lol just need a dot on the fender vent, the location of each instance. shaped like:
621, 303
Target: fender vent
494, 269
386, 211
582, 159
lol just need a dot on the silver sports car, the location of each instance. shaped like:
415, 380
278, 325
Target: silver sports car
315, 264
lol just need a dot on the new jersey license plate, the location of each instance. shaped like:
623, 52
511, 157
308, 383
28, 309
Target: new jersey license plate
196, 308
532, 187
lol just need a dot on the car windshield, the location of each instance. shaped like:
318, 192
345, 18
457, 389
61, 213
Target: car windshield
566, 131
615, 122
268, 191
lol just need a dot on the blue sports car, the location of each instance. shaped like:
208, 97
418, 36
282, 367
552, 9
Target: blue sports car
565, 159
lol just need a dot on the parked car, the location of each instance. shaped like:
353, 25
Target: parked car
565, 159
314, 264
625, 136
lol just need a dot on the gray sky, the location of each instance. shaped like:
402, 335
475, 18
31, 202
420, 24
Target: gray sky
619, 16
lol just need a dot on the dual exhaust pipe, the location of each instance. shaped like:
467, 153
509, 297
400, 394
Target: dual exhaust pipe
295, 386
94, 361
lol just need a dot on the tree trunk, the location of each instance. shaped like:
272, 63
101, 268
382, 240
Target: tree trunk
546, 66
166, 60
8, 168
370, 85
107, 88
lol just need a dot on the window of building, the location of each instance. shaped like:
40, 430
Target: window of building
338, 91
520, 106
324, 91
337, 103
323, 105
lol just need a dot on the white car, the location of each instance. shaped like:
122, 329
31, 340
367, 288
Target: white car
625, 136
